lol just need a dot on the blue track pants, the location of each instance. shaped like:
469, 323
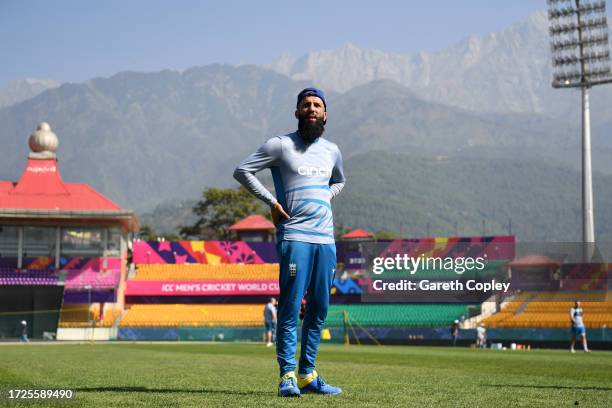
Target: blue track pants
303, 267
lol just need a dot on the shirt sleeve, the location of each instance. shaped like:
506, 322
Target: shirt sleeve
337, 181
265, 157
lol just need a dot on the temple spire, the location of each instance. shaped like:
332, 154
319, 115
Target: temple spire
43, 143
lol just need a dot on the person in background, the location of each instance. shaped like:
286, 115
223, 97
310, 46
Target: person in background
270, 321
24, 332
481, 336
578, 328
454, 331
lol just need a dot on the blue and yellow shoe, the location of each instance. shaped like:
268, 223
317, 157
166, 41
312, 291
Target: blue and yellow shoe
288, 386
315, 384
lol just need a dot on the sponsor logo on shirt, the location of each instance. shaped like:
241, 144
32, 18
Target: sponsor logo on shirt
313, 171
292, 269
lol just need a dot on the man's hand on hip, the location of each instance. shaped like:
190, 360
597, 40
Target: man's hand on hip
278, 213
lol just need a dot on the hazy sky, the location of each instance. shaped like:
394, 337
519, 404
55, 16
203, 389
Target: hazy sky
77, 40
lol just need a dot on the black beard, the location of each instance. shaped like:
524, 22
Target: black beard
310, 131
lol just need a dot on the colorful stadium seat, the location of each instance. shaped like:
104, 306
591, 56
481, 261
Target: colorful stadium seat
408, 315
551, 310
183, 315
202, 272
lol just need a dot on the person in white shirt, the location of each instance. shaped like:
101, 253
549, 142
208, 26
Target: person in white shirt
578, 328
481, 336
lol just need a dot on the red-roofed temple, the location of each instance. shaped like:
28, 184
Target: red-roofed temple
359, 234
55, 234
254, 228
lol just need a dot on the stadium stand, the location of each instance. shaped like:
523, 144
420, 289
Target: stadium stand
591, 277
178, 315
74, 273
407, 315
27, 277
95, 279
73, 279
200, 272
181, 315
551, 310
81, 315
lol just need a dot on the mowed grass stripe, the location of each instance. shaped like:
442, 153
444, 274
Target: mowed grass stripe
167, 375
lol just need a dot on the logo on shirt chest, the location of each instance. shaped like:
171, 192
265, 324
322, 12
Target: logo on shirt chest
311, 171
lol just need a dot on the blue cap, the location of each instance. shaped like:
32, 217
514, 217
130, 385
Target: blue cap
311, 92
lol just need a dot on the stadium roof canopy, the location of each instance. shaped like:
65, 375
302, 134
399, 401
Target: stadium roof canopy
253, 223
358, 234
41, 193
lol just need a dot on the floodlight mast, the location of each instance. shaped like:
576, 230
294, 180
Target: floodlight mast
581, 27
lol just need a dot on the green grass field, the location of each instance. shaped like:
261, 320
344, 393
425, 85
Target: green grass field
244, 375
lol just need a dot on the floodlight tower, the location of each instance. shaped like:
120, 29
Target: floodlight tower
581, 59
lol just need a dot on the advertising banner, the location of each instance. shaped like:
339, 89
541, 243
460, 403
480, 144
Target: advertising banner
203, 288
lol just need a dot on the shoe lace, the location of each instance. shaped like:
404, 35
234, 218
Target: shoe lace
320, 381
288, 381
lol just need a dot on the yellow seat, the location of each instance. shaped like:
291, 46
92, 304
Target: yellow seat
202, 272
177, 315
551, 310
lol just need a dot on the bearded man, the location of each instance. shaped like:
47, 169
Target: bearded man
307, 173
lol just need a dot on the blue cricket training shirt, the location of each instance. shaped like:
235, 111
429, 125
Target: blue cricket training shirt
306, 177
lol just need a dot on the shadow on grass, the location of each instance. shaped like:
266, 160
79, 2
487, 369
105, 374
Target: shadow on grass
170, 391
551, 387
